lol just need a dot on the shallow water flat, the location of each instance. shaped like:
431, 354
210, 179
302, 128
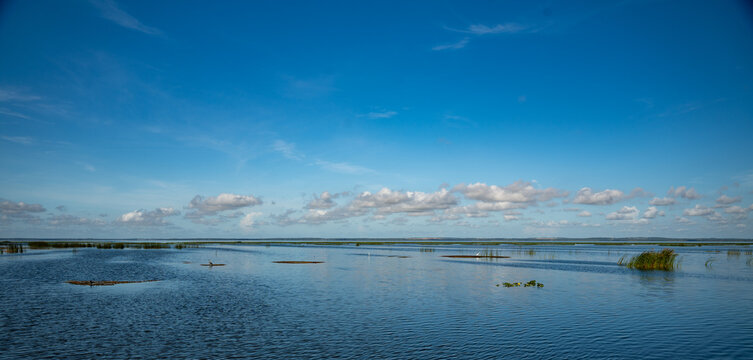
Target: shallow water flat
399, 301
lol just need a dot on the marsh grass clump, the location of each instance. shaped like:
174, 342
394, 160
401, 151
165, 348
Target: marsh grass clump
652, 260
12, 248
528, 284
733, 252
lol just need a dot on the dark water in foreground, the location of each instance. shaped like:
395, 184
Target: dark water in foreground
363, 302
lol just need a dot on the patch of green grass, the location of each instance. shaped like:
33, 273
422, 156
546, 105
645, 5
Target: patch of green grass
652, 260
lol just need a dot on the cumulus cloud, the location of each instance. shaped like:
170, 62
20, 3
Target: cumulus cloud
387, 201
20, 211
736, 210
662, 201
11, 208
249, 220
683, 192
155, 217
211, 206
323, 201
698, 210
652, 212
588, 197
626, 213
380, 204
726, 200
517, 192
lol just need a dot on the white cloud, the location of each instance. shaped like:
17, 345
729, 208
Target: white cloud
698, 210
380, 204
683, 220
584, 213
454, 46
736, 210
381, 114
8, 207
626, 213
13, 95
223, 202
323, 201
286, 149
683, 192
662, 201
588, 197
480, 29
344, 168
387, 201
726, 200
155, 217
110, 11
517, 192
25, 140
70, 220
652, 212
249, 220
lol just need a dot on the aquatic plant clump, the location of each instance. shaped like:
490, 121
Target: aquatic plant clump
528, 284
652, 260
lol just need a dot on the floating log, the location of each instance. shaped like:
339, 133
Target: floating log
212, 264
105, 283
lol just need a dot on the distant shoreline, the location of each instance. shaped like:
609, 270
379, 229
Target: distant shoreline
391, 241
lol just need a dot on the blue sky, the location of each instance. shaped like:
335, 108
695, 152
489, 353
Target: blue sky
382, 119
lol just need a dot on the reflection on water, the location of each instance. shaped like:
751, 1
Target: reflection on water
397, 301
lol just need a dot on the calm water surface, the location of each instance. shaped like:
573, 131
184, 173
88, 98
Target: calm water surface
366, 302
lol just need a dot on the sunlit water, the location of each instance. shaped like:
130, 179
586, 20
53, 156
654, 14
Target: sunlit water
364, 302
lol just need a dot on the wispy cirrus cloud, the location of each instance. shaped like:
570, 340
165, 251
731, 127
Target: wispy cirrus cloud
379, 114
476, 30
110, 10
344, 167
453, 46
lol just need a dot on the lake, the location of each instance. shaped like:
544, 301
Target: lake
386, 301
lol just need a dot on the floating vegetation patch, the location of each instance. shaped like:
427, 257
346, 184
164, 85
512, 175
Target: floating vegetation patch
105, 283
476, 256
531, 283
37, 245
181, 246
298, 262
652, 260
